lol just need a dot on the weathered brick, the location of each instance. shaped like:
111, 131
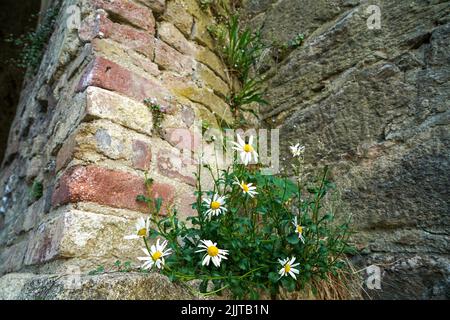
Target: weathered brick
208, 58
208, 77
45, 242
203, 96
185, 204
172, 36
101, 140
183, 139
157, 6
119, 54
170, 59
96, 238
177, 14
187, 115
12, 258
101, 27
106, 187
105, 104
129, 12
201, 34
142, 155
176, 165
65, 154
109, 75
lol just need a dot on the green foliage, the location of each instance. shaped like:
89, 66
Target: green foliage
118, 266
37, 190
241, 50
157, 113
283, 49
295, 42
249, 93
257, 231
33, 43
99, 270
123, 267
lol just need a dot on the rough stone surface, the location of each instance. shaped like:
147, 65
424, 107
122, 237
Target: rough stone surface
112, 286
84, 133
379, 103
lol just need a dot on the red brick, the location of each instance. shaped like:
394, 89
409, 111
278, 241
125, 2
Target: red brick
106, 187
183, 139
106, 74
129, 12
142, 155
177, 166
131, 38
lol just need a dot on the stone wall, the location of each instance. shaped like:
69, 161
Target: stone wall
17, 18
375, 105
82, 130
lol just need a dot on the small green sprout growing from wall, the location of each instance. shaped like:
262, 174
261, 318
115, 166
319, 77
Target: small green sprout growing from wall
33, 43
157, 113
37, 190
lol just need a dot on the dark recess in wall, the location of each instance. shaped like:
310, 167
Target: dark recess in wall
16, 18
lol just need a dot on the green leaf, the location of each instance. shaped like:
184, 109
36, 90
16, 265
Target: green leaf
158, 204
293, 238
274, 277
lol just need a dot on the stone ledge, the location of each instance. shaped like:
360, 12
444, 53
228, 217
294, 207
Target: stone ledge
110, 286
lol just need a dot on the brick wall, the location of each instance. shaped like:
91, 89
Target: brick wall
83, 131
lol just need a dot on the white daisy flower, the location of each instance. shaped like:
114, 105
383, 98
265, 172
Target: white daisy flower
212, 253
247, 188
246, 150
142, 229
155, 256
215, 205
297, 150
298, 229
288, 267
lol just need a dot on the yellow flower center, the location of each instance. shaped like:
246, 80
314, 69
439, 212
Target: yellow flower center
287, 267
213, 251
142, 232
248, 148
215, 205
156, 255
299, 229
244, 187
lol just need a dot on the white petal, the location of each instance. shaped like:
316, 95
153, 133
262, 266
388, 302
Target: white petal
255, 155
206, 260
131, 237
216, 261
240, 140
144, 258
243, 157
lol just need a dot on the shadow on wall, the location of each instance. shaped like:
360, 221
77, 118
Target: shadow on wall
16, 18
